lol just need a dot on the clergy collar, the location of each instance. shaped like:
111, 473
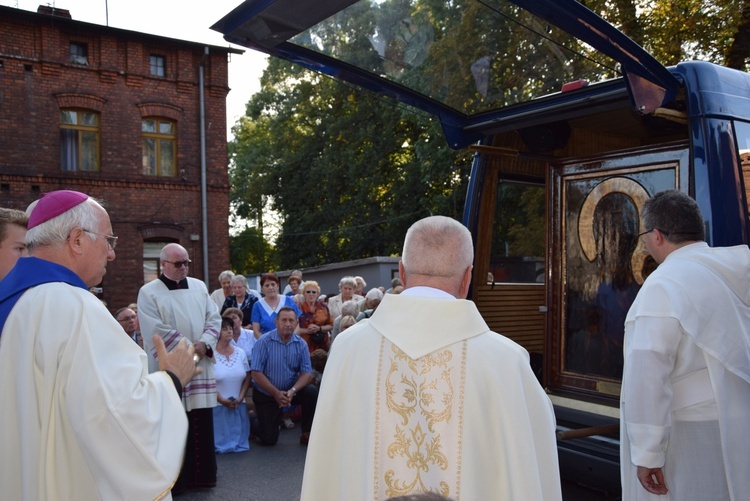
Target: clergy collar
425, 291
172, 285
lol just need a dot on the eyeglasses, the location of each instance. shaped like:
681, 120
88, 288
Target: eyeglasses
311, 292
125, 319
179, 264
665, 233
641, 235
111, 239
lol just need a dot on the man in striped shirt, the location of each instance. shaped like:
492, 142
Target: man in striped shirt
282, 374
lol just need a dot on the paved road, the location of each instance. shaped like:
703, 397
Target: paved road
261, 474
275, 474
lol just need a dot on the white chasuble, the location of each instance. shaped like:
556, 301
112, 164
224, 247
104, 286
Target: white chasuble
424, 397
81, 418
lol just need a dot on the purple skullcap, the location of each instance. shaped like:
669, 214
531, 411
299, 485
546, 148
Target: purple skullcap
53, 204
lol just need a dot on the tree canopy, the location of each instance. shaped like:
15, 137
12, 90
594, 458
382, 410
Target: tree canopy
348, 172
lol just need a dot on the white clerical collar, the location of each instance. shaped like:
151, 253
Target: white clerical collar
424, 291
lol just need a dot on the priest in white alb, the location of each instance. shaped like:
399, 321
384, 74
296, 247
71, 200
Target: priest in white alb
685, 400
177, 308
424, 397
81, 418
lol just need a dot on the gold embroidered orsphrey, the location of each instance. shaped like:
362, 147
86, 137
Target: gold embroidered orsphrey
421, 439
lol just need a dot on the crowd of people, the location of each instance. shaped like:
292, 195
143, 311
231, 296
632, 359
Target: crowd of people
156, 389
261, 354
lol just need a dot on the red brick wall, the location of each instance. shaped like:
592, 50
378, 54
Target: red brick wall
36, 80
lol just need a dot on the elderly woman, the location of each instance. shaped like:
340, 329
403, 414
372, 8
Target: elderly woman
350, 308
221, 294
264, 311
315, 323
359, 287
346, 289
372, 300
232, 372
240, 298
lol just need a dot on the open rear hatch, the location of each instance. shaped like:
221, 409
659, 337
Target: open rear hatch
469, 62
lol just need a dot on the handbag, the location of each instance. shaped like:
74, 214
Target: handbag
318, 337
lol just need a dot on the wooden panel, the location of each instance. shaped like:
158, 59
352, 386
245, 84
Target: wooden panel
745, 158
513, 311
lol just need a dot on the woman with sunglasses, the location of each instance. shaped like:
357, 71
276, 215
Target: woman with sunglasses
315, 323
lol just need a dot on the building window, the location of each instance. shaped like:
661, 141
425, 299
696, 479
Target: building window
159, 147
151, 261
79, 53
157, 65
79, 140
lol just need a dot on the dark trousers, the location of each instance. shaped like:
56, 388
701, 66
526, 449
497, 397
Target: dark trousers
269, 413
199, 468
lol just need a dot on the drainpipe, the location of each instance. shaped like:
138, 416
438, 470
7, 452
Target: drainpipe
204, 202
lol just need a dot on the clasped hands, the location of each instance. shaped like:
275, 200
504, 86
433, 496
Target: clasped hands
284, 398
313, 328
231, 402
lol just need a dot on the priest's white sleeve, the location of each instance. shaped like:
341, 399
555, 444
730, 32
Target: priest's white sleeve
650, 353
130, 425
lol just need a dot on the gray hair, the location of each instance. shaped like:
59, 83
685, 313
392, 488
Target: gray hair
360, 279
350, 307
347, 281
56, 231
374, 294
239, 279
225, 274
437, 246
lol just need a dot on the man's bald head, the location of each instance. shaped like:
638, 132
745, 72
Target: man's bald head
175, 262
437, 250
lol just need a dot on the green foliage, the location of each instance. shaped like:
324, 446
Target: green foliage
520, 221
680, 30
348, 172
250, 253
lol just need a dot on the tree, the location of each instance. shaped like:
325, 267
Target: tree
250, 252
348, 172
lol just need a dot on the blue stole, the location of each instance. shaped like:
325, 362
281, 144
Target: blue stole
30, 272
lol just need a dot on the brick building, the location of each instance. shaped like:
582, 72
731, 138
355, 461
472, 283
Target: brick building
117, 114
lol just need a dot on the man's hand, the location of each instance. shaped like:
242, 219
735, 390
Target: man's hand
179, 361
283, 399
652, 479
200, 348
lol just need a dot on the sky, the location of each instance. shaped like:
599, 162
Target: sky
182, 19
